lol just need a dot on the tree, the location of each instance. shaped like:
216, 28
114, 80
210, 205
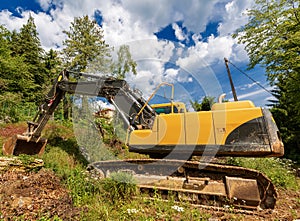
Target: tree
15, 76
205, 104
16, 81
53, 64
85, 46
272, 39
26, 44
124, 64
52, 61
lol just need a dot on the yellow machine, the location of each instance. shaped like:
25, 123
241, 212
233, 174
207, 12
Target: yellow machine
229, 129
169, 131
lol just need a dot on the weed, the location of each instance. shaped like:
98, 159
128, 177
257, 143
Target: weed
82, 188
293, 213
121, 186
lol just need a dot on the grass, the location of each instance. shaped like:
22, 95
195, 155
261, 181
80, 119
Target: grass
116, 198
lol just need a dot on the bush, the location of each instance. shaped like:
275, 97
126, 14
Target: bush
12, 110
120, 186
82, 188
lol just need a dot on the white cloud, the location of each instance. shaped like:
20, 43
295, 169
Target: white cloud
154, 15
259, 96
126, 20
11, 22
214, 50
134, 22
178, 32
248, 86
45, 4
171, 74
235, 16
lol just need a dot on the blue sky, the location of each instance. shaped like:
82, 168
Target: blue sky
182, 42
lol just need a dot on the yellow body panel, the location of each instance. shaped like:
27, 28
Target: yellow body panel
144, 137
225, 121
232, 105
197, 128
171, 129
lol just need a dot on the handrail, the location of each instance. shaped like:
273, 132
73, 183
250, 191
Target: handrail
152, 95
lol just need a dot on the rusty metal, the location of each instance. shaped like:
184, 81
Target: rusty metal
199, 183
240, 190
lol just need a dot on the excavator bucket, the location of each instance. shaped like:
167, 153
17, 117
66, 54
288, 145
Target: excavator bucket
19, 144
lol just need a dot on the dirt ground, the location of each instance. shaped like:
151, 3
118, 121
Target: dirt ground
27, 195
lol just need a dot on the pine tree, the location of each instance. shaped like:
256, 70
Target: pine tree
205, 104
27, 45
53, 64
85, 46
14, 73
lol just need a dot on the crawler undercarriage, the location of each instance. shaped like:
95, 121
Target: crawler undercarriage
199, 183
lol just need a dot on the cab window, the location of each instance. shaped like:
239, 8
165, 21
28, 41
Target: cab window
165, 110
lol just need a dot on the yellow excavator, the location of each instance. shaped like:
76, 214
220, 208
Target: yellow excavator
171, 136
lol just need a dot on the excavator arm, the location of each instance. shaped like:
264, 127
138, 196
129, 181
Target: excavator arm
128, 102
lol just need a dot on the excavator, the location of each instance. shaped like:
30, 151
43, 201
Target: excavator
172, 136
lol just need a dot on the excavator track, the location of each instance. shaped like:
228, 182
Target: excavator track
199, 183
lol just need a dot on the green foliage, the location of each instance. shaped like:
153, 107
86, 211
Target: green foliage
272, 39
15, 76
82, 188
280, 171
53, 65
205, 104
121, 187
61, 135
89, 140
124, 64
55, 218
27, 45
271, 36
85, 45
12, 109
